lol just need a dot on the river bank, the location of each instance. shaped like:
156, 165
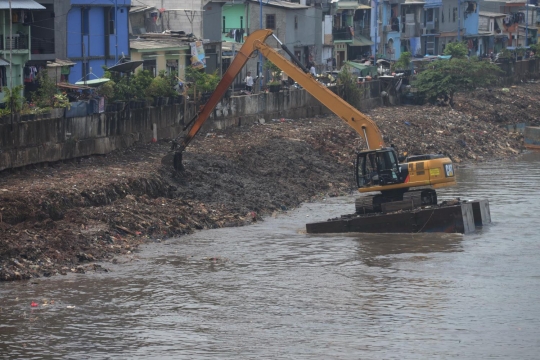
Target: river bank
63, 217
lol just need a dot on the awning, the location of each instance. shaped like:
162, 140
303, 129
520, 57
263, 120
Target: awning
60, 63
21, 4
360, 40
127, 67
363, 7
347, 5
430, 4
4, 62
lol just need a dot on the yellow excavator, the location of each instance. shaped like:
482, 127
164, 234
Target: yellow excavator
377, 169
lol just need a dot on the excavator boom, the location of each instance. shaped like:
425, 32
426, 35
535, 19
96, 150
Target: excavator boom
377, 168
362, 124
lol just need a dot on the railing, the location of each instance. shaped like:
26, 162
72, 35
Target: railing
226, 33
42, 46
342, 33
14, 42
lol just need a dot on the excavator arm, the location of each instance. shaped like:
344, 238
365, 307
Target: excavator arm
362, 124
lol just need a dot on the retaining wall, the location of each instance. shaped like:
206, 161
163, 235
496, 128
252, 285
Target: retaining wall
28, 140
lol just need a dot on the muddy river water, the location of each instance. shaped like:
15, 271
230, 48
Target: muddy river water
269, 291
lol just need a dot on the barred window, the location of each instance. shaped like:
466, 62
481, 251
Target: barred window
270, 21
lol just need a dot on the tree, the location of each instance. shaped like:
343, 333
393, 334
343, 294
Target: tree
456, 49
44, 95
274, 71
404, 61
446, 77
351, 93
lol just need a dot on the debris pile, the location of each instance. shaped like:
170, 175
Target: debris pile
62, 218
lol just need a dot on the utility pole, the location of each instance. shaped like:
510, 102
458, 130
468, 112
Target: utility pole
11, 60
459, 20
116, 31
526, 24
376, 31
259, 70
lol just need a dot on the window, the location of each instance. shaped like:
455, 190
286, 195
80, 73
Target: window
224, 30
455, 15
271, 21
429, 15
112, 20
296, 21
442, 15
84, 21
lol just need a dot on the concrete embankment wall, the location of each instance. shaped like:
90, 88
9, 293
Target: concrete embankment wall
25, 141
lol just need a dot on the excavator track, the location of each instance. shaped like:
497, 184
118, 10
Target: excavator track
384, 203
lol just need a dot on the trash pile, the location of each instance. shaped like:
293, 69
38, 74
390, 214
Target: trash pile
62, 218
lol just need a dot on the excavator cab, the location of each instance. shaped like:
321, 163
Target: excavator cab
378, 167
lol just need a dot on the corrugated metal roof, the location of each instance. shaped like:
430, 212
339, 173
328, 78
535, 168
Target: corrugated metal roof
60, 63
157, 44
136, 9
491, 14
283, 4
21, 4
360, 40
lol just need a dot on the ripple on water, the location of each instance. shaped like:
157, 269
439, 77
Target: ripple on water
271, 291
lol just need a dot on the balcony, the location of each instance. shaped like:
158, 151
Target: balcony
15, 42
344, 33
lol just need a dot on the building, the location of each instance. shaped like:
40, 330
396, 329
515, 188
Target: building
352, 31
16, 42
91, 33
176, 15
492, 23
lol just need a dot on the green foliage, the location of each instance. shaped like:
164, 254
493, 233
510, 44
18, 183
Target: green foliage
107, 90
13, 99
205, 82
139, 83
159, 87
536, 49
520, 51
444, 78
123, 88
404, 61
456, 49
351, 93
505, 54
44, 95
60, 101
274, 72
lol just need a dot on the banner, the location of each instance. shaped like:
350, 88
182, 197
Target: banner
198, 60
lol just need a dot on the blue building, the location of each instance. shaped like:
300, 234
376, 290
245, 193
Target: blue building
97, 34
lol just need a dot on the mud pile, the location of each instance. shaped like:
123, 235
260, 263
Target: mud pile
61, 218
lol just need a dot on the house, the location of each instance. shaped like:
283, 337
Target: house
521, 22
176, 15
492, 23
15, 42
412, 16
297, 26
391, 35
95, 34
352, 31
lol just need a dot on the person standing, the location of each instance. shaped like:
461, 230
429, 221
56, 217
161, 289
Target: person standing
249, 82
312, 70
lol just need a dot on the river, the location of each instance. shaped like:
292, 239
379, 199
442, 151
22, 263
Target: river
269, 291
